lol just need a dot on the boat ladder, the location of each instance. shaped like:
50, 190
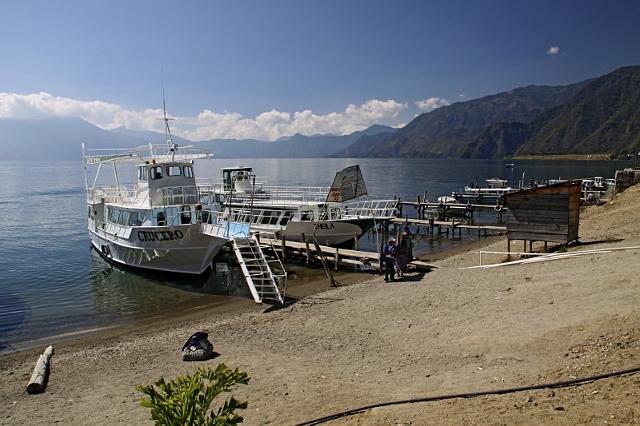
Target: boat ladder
262, 281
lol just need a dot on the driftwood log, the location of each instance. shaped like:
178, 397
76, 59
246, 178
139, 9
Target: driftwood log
39, 377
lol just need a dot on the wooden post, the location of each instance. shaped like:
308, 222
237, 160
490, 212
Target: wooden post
524, 246
337, 258
356, 243
306, 247
284, 247
40, 372
545, 246
531, 246
327, 270
508, 249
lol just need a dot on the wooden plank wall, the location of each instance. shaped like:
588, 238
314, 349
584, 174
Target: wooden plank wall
544, 214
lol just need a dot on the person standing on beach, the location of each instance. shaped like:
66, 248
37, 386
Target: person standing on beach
389, 253
402, 254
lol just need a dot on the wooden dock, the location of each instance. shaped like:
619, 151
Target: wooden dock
337, 256
437, 226
444, 210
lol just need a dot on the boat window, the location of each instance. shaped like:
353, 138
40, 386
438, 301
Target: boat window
142, 173
135, 219
286, 217
275, 216
111, 214
185, 215
188, 171
266, 217
122, 217
174, 171
155, 173
306, 215
161, 219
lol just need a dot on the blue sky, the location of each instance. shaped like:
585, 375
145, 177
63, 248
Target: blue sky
226, 63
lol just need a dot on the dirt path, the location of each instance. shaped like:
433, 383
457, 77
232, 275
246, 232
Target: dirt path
451, 330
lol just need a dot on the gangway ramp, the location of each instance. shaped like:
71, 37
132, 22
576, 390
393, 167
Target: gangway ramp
262, 282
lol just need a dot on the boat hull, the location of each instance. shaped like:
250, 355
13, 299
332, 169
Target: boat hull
151, 248
329, 233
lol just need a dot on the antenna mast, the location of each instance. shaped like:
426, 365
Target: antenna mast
167, 130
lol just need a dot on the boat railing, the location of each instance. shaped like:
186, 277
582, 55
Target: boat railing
278, 195
152, 153
218, 223
217, 185
179, 195
117, 195
369, 209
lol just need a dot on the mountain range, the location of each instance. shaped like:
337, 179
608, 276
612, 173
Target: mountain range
51, 139
596, 116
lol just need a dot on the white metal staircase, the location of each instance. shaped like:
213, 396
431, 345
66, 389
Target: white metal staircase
262, 282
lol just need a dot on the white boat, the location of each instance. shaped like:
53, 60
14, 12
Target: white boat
155, 222
496, 188
447, 199
325, 214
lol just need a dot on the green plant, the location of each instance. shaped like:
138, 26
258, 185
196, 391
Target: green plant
187, 399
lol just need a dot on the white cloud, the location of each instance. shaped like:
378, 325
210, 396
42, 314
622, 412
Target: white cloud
431, 103
553, 50
207, 124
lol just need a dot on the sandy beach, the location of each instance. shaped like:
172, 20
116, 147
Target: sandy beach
447, 331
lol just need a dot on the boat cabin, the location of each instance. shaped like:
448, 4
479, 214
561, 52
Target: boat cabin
165, 195
240, 176
496, 183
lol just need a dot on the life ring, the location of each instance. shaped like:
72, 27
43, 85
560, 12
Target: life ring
498, 209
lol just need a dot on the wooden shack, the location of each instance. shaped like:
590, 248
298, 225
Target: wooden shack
547, 213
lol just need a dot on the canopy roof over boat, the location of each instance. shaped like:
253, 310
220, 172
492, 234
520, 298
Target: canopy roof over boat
146, 153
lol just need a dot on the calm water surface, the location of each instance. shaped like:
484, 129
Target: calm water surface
52, 283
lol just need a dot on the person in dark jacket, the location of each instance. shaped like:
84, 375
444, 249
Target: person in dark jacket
402, 254
388, 256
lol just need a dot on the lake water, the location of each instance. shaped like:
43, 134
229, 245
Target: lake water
53, 284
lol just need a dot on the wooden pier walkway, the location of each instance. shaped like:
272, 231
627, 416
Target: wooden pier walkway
337, 256
446, 210
452, 225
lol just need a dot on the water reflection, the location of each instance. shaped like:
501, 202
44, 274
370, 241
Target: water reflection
123, 292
